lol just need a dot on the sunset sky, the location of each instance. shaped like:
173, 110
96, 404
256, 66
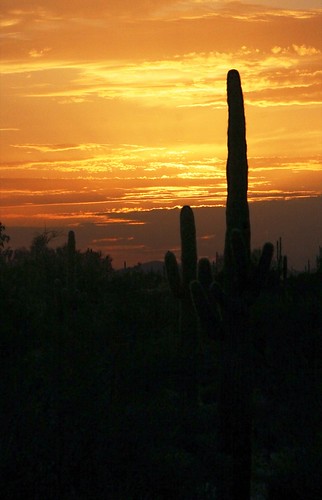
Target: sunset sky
112, 110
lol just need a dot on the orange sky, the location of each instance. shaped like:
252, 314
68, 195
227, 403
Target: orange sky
111, 106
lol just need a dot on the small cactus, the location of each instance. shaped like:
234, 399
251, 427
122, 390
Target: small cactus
281, 263
71, 264
179, 283
71, 293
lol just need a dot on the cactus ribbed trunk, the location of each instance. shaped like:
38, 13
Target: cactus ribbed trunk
235, 414
235, 409
188, 320
237, 211
180, 285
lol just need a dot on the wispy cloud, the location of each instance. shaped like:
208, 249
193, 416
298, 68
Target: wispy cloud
280, 76
119, 106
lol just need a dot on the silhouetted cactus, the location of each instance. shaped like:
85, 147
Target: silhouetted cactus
69, 294
225, 311
281, 261
179, 283
71, 263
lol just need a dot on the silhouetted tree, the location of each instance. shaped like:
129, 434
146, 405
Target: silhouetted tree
4, 238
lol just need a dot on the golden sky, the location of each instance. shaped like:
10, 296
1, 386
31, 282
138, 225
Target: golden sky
115, 106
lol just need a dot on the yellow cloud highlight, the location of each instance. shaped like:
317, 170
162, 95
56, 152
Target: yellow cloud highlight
195, 79
113, 106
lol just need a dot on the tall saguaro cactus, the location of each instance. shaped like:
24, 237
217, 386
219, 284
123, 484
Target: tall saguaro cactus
241, 285
180, 287
237, 212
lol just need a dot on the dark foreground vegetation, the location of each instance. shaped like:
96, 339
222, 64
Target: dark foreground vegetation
92, 384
